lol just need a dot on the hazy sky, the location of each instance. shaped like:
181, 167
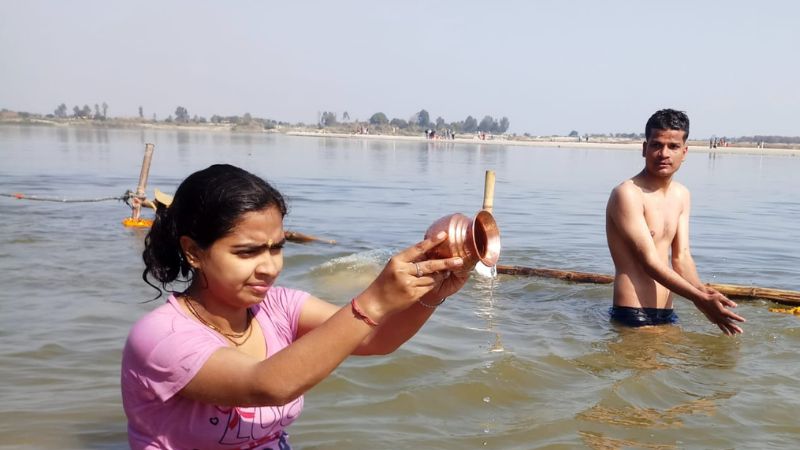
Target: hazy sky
550, 66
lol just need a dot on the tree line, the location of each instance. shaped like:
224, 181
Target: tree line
82, 113
418, 121
181, 115
768, 139
421, 120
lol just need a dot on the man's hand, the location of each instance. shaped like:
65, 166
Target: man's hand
715, 307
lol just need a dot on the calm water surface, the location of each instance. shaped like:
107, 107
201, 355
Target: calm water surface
514, 363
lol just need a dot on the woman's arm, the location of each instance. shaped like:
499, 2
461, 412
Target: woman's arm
232, 378
397, 329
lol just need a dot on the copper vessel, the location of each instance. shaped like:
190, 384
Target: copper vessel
473, 240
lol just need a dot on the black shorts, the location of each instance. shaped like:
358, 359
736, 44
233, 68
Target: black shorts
639, 317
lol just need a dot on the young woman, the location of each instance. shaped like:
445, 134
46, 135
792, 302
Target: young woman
224, 364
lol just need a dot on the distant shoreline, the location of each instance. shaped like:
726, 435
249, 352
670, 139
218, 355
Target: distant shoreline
550, 142
694, 146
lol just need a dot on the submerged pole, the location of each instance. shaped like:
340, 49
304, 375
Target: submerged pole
488, 204
782, 296
488, 191
140, 189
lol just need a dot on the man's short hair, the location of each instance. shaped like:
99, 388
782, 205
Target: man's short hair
667, 119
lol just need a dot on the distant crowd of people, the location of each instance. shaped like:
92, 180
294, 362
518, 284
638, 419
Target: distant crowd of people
717, 142
445, 134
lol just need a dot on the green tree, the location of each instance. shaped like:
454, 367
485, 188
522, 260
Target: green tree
141, 113
573, 133
470, 125
378, 118
105, 110
345, 116
399, 123
487, 125
504, 124
327, 119
61, 111
181, 115
440, 123
423, 118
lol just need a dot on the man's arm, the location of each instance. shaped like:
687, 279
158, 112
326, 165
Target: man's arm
714, 307
682, 261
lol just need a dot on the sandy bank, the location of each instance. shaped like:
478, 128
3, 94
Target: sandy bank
631, 146
546, 142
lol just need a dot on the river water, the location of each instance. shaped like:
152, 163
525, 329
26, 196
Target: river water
510, 363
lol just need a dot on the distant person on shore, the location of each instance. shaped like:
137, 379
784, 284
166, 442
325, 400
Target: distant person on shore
647, 225
225, 363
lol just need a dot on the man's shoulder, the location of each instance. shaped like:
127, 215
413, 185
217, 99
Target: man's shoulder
625, 198
626, 189
679, 190
680, 187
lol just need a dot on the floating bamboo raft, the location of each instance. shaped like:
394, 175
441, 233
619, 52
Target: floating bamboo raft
782, 296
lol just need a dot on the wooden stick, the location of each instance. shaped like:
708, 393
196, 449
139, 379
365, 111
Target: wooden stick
488, 191
301, 238
785, 297
137, 205
488, 204
577, 277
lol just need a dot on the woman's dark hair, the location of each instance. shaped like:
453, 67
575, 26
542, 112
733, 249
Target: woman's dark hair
206, 207
667, 119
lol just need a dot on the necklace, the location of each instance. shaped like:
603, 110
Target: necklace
231, 336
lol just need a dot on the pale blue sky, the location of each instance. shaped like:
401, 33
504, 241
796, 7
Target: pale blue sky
549, 66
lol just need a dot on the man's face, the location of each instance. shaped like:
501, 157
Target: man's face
664, 152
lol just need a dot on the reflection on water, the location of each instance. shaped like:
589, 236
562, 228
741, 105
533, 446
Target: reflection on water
507, 363
636, 357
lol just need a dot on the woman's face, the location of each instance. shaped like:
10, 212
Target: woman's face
239, 268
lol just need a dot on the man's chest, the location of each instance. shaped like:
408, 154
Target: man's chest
662, 216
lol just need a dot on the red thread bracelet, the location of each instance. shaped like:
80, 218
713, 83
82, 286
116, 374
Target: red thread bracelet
359, 314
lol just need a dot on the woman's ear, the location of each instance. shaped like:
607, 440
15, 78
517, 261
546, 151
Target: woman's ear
191, 251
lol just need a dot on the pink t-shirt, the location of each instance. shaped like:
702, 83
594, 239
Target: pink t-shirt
164, 351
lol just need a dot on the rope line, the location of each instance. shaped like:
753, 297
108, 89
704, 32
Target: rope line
126, 197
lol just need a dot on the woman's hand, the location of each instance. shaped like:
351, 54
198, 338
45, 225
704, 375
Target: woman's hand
448, 283
407, 277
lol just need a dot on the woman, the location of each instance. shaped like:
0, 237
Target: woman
224, 364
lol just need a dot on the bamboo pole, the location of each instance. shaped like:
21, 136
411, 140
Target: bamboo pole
567, 275
140, 189
783, 296
735, 291
488, 204
302, 238
488, 191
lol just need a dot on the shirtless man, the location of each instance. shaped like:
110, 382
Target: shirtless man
647, 227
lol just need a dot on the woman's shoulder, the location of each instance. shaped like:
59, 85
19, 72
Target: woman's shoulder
162, 317
158, 325
165, 337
